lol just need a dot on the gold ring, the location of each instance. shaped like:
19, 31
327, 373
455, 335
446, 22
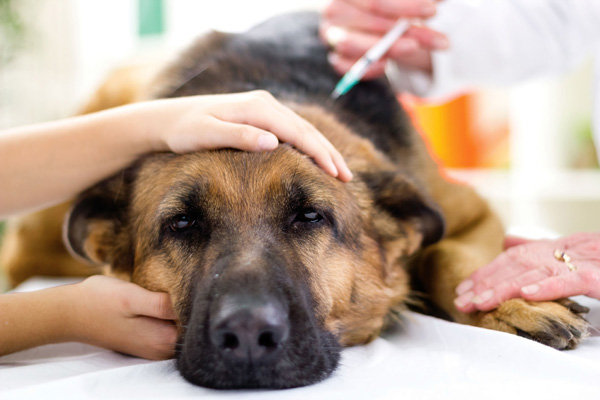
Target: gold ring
564, 257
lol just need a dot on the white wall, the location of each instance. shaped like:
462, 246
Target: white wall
187, 18
71, 44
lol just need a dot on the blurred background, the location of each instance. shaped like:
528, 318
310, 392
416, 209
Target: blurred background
527, 148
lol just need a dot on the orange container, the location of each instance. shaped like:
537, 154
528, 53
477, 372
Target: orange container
447, 129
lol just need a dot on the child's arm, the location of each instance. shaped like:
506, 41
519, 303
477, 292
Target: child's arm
101, 311
48, 163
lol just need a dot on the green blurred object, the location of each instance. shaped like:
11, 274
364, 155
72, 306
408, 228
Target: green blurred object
581, 147
12, 30
151, 21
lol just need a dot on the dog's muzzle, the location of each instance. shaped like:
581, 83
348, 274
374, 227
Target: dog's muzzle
249, 330
254, 326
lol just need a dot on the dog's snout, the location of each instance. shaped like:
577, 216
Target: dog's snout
252, 326
249, 330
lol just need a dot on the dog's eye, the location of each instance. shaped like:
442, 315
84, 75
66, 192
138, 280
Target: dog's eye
309, 215
181, 222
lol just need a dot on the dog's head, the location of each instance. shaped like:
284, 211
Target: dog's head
271, 264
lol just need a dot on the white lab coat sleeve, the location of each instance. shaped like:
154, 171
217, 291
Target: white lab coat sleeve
499, 42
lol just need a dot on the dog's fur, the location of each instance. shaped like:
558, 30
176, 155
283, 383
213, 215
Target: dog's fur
270, 234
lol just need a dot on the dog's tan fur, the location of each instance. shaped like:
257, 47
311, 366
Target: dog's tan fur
353, 297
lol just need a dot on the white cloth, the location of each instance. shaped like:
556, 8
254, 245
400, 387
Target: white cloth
500, 42
423, 358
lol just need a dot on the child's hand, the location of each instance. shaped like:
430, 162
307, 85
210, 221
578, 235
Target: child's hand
124, 317
83, 150
253, 121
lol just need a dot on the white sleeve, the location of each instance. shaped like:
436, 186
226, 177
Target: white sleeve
498, 42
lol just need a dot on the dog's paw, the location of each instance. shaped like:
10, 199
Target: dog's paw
558, 324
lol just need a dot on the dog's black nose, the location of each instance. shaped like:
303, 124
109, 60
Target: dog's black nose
249, 330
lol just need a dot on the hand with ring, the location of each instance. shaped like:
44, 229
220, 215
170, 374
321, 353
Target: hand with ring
536, 271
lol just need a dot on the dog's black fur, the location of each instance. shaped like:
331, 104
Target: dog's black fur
286, 57
310, 353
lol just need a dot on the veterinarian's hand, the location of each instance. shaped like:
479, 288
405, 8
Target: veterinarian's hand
530, 269
351, 27
125, 317
253, 121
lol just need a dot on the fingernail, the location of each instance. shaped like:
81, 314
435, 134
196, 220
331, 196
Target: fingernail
463, 300
406, 44
531, 289
440, 43
349, 174
345, 172
267, 142
333, 58
483, 297
333, 169
463, 287
334, 35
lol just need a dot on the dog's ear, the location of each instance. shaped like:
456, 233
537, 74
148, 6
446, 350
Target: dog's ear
96, 226
414, 213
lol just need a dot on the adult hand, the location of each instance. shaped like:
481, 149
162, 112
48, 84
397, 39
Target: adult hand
351, 27
251, 121
124, 317
530, 269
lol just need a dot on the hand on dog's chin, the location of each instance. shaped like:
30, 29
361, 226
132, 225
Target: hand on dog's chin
125, 317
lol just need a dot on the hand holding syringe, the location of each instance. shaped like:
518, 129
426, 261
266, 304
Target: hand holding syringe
352, 30
358, 70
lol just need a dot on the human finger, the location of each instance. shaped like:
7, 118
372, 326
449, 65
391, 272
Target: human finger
298, 132
396, 8
354, 44
511, 241
555, 287
376, 17
342, 65
344, 14
151, 304
410, 50
149, 338
511, 262
316, 145
504, 269
498, 293
320, 149
289, 127
225, 134
501, 263
514, 262
427, 38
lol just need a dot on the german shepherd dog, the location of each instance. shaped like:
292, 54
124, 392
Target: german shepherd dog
272, 265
